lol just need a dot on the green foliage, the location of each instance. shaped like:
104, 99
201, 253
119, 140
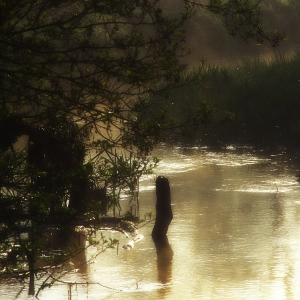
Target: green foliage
119, 173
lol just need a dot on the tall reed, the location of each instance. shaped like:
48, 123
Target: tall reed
262, 95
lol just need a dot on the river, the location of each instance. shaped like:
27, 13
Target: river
235, 235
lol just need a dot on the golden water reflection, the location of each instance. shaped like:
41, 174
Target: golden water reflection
235, 235
241, 238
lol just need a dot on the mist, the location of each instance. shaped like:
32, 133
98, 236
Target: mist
209, 40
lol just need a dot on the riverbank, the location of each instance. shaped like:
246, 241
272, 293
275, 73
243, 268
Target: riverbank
253, 102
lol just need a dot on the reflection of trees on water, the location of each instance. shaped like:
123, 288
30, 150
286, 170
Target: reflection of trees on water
73, 245
79, 260
277, 213
238, 221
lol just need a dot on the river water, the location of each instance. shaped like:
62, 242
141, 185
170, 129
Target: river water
235, 235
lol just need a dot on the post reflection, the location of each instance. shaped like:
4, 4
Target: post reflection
164, 259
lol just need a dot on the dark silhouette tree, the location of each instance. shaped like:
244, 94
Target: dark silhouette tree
75, 77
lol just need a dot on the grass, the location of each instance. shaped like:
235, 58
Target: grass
263, 96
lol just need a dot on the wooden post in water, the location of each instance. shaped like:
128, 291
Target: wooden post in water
164, 217
164, 213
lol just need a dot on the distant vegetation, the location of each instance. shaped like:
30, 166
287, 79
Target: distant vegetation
253, 102
247, 93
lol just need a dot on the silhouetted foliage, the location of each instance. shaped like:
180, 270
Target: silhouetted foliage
75, 80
